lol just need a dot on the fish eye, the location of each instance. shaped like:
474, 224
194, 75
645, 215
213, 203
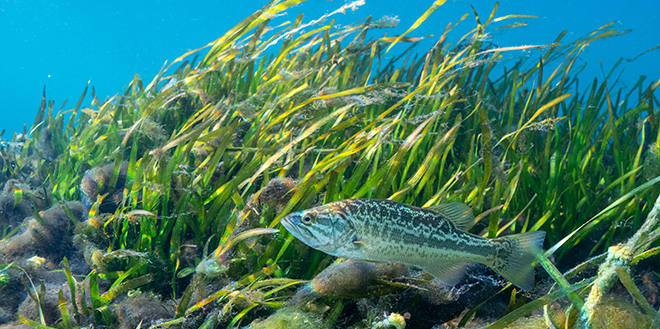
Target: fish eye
307, 219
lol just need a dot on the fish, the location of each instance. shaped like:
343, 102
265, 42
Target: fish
434, 238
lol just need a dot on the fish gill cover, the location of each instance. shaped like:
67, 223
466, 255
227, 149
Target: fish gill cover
161, 206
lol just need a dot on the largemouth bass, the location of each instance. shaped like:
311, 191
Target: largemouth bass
433, 239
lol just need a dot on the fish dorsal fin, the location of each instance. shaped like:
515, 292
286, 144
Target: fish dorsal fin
458, 213
449, 273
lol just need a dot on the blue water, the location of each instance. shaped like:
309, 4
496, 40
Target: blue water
63, 44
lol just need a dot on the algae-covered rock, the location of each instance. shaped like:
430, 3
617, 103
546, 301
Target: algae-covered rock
49, 236
12, 293
6, 315
51, 311
145, 308
395, 288
534, 322
558, 315
28, 307
30, 310
96, 181
276, 193
347, 279
619, 314
290, 318
16, 208
610, 313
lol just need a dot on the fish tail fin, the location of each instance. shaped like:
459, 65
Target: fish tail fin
515, 256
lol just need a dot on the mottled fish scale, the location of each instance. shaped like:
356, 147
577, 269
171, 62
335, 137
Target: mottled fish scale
408, 226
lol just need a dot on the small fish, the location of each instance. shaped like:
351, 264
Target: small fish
433, 239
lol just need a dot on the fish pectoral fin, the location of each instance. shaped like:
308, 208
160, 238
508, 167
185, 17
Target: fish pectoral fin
458, 213
361, 243
450, 273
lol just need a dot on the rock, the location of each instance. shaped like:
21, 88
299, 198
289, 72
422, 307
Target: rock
50, 238
143, 308
290, 318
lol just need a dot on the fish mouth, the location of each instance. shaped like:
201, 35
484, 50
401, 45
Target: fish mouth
289, 224
292, 224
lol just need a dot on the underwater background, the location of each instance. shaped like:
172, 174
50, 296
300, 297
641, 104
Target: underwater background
63, 44
242, 164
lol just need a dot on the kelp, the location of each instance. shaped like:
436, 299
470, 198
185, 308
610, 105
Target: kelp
192, 151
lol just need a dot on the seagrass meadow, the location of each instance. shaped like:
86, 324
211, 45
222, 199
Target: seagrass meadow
160, 207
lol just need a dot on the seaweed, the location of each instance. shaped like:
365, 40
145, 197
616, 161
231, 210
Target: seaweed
185, 178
